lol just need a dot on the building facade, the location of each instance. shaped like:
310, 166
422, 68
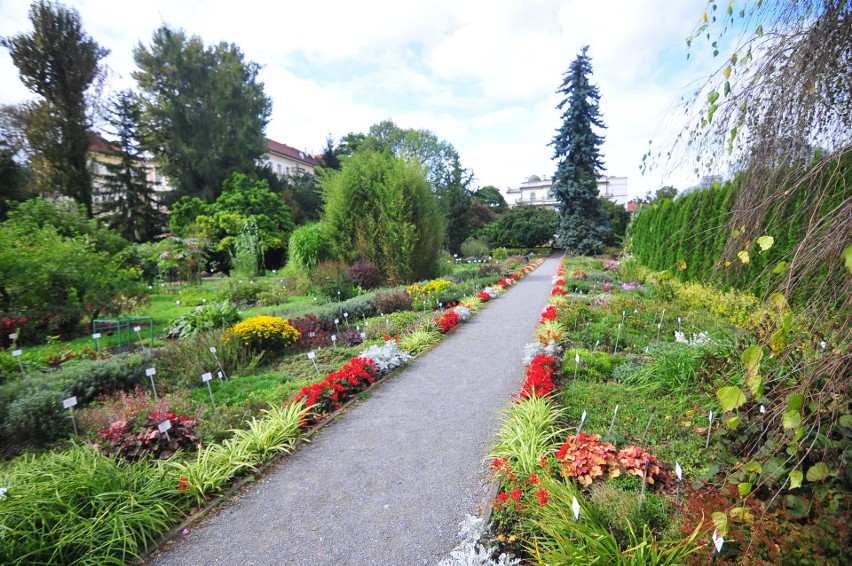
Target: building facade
288, 161
536, 191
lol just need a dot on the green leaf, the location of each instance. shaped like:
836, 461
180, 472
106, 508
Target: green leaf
735, 234
791, 419
744, 257
817, 472
744, 488
797, 436
720, 521
733, 422
765, 242
845, 420
754, 382
795, 479
753, 468
780, 267
759, 31
752, 355
731, 398
713, 97
795, 401
847, 256
778, 341
728, 84
710, 111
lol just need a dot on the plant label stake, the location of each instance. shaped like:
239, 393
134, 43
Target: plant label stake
363, 336
678, 325
617, 337
311, 357
13, 336
206, 377
679, 474
334, 340
612, 422
69, 404
598, 343
709, 430
96, 337
647, 426
150, 372
346, 316
576, 367
164, 427
660, 324
218, 363
220, 375
718, 541
17, 354
336, 320
582, 420
575, 507
644, 481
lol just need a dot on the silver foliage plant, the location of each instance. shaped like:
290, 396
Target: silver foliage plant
463, 312
533, 349
474, 550
388, 357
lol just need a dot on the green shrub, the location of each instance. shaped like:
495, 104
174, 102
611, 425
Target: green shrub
358, 308
594, 366
205, 317
34, 416
331, 279
528, 431
181, 363
673, 366
309, 247
474, 248
500, 254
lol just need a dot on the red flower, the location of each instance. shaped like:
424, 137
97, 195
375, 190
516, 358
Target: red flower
516, 495
182, 484
542, 497
502, 497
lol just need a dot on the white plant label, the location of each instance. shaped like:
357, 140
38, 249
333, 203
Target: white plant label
96, 335
17, 353
678, 471
336, 320
212, 349
363, 336
711, 418
203, 301
69, 402
150, 371
762, 410
177, 302
346, 315
13, 336
718, 541
575, 506
311, 355
576, 358
206, 377
312, 334
583, 418
220, 375
334, 338
164, 426
137, 328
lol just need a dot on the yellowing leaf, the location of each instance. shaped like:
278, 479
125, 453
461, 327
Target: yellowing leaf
744, 488
734, 58
720, 521
777, 301
733, 422
795, 479
847, 256
752, 355
727, 72
744, 257
780, 267
681, 265
742, 514
817, 472
753, 468
778, 341
704, 18
765, 242
731, 398
791, 419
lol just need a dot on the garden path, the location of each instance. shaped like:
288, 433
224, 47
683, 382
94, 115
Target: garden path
389, 483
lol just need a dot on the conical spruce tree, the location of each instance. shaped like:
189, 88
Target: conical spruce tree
583, 225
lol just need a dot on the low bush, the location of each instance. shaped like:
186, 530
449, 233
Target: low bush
594, 366
205, 317
337, 387
331, 279
387, 302
447, 321
315, 332
365, 274
263, 333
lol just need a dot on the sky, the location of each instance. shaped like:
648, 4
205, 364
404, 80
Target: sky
482, 75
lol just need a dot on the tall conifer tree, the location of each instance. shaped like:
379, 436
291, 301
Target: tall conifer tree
583, 225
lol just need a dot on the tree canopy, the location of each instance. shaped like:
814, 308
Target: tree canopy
204, 111
583, 226
380, 208
491, 197
525, 226
59, 62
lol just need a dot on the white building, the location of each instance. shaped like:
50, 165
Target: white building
288, 161
536, 191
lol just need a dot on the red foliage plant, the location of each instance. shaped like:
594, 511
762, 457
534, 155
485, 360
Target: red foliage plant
539, 378
585, 457
338, 387
447, 321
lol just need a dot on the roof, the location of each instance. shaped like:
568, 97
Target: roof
98, 144
291, 152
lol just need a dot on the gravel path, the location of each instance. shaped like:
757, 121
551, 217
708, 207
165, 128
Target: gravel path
389, 483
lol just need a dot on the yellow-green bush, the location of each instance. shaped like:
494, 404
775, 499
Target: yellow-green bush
734, 306
268, 333
427, 292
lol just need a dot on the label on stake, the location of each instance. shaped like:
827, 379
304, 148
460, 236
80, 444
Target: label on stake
311, 355
212, 350
69, 402
13, 336
96, 335
205, 377
678, 471
17, 353
164, 426
150, 371
137, 328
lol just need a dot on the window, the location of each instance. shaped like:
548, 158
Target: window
532, 197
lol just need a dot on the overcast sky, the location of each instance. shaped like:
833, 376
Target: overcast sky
480, 74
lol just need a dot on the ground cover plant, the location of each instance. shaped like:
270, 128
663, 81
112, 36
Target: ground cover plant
674, 395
